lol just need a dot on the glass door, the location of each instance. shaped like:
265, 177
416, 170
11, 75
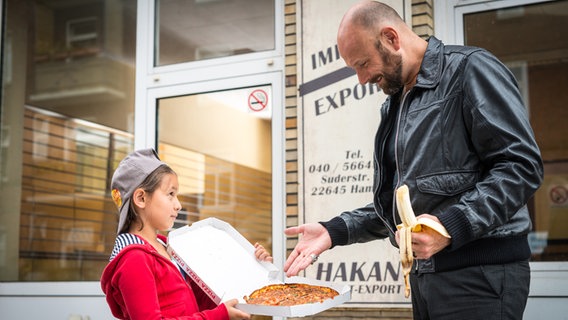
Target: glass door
219, 143
225, 141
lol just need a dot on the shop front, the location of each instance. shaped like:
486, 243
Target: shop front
250, 102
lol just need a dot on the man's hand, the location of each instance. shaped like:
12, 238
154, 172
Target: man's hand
428, 242
313, 241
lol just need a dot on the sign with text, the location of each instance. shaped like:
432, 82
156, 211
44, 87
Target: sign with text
338, 125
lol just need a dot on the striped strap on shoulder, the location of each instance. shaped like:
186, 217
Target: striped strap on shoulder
122, 241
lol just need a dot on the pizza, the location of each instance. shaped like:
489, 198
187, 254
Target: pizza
290, 294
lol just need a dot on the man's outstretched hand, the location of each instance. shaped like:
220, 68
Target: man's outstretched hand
313, 240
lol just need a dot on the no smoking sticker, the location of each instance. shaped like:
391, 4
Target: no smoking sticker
559, 195
258, 100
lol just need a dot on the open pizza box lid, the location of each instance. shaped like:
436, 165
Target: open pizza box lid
220, 260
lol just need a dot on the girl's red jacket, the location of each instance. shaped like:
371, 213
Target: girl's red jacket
139, 283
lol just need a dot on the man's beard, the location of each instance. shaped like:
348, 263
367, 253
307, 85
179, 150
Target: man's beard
391, 82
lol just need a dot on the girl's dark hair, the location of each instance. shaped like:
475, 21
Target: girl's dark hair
149, 185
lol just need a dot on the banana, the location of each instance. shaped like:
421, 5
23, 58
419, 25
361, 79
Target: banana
406, 257
411, 224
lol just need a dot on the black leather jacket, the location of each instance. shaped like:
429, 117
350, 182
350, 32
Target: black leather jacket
466, 150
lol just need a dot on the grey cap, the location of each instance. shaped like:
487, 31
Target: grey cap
128, 176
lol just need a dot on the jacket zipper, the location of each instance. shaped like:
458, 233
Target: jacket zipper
396, 162
416, 263
377, 155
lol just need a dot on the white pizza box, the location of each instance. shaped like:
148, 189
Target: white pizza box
220, 260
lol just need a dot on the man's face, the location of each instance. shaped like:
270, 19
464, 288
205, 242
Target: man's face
373, 62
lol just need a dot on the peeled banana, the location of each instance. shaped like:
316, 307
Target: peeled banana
411, 224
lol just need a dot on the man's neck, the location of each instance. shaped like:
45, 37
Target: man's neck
415, 61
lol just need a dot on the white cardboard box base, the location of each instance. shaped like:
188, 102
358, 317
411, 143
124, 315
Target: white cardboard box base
220, 260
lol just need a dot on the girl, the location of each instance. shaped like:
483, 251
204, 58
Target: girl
141, 281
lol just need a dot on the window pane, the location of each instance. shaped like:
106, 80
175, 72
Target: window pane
220, 146
532, 41
204, 29
67, 220
82, 60
67, 114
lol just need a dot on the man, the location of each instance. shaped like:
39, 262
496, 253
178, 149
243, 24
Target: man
455, 131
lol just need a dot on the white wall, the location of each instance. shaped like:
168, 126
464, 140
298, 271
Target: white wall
548, 296
53, 301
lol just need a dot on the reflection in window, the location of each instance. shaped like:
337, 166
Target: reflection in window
205, 29
66, 122
83, 60
82, 33
67, 220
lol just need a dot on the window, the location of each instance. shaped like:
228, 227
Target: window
205, 29
67, 119
82, 32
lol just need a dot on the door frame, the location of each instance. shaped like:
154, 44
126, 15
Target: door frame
255, 69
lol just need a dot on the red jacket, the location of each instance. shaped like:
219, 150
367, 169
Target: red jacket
139, 283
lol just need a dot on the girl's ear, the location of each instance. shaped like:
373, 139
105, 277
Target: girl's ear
139, 198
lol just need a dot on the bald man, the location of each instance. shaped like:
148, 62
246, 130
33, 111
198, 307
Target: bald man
455, 131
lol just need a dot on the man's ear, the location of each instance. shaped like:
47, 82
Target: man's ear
390, 38
139, 198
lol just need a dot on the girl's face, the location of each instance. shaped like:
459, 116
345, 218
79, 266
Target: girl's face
163, 205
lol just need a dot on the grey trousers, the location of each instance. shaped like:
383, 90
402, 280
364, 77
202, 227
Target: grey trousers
487, 292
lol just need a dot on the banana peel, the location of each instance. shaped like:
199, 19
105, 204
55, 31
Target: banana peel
411, 224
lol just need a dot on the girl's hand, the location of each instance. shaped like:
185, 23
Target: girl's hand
261, 253
234, 313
